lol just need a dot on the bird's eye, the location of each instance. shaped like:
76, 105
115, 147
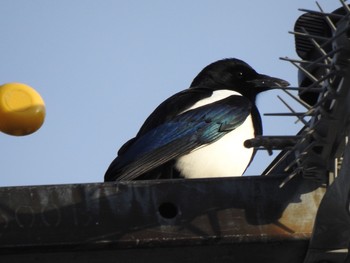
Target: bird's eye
240, 74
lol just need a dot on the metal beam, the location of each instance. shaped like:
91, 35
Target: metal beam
242, 219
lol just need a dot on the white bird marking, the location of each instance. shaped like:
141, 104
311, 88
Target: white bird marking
224, 158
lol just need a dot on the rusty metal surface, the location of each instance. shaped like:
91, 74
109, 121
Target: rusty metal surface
331, 238
166, 216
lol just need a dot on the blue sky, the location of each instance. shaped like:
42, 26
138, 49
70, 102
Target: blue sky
103, 66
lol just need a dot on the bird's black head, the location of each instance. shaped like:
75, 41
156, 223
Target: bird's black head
236, 75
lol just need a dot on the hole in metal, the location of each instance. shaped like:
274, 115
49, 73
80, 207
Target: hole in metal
168, 210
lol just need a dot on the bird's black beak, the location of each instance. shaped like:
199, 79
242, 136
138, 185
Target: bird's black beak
265, 82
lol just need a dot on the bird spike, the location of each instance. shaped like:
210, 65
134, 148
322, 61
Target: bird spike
307, 73
312, 134
326, 97
301, 102
280, 160
293, 114
320, 60
318, 82
346, 7
296, 161
316, 62
289, 88
293, 111
315, 90
318, 46
328, 20
335, 36
288, 178
321, 13
308, 89
307, 35
307, 63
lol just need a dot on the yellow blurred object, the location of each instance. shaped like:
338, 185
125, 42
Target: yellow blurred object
22, 110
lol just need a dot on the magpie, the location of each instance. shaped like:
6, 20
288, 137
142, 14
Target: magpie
199, 132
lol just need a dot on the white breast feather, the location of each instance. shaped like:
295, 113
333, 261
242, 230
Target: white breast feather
223, 158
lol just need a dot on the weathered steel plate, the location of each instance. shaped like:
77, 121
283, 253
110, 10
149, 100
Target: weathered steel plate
239, 218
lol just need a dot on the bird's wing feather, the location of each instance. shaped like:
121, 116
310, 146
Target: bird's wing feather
168, 110
179, 136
